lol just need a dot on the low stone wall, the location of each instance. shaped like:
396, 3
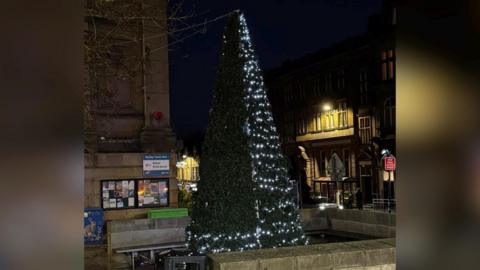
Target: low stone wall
370, 254
139, 232
371, 223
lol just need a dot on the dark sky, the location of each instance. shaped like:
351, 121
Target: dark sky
280, 29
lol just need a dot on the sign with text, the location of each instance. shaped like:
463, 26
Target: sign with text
156, 165
389, 163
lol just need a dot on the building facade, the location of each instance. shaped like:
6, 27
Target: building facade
340, 100
127, 108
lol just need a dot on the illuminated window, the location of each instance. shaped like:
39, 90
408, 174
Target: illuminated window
388, 64
363, 87
389, 112
318, 122
314, 122
342, 114
330, 119
310, 123
302, 123
365, 129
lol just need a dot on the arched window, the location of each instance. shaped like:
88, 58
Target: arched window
389, 112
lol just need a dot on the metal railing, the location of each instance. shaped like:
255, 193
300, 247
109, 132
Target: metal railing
386, 205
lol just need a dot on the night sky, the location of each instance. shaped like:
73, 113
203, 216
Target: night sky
280, 29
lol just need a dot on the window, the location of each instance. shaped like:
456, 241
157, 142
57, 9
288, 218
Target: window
341, 79
323, 163
290, 126
389, 113
346, 162
302, 123
152, 193
288, 94
318, 122
329, 120
328, 82
318, 163
309, 121
388, 64
317, 86
365, 129
394, 16
301, 91
342, 114
363, 87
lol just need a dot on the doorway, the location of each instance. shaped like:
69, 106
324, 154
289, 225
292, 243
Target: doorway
366, 184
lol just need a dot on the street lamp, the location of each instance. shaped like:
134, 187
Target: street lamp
326, 107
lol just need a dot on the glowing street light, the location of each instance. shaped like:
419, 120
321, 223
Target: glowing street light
327, 107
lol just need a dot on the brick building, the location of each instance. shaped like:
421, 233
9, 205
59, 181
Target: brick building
341, 100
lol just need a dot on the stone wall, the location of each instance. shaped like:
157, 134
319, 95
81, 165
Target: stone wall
140, 232
370, 254
378, 224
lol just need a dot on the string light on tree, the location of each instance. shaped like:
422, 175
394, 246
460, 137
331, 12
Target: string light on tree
279, 221
241, 122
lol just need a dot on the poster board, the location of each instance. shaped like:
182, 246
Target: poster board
118, 194
134, 193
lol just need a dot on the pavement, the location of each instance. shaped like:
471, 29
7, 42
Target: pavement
366, 207
95, 258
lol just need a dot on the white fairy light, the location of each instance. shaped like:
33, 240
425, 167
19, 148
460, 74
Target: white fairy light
268, 169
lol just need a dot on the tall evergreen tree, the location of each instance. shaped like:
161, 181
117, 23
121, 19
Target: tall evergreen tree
223, 209
278, 219
244, 198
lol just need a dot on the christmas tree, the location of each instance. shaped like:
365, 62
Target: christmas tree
278, 220
223, 209
244, 198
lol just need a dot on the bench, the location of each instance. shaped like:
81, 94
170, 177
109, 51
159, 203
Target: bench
134, 235
151, 248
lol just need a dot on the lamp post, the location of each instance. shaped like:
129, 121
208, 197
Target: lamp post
336, 170
389, 164
336, 166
